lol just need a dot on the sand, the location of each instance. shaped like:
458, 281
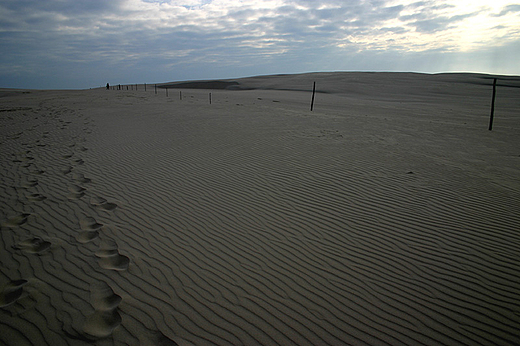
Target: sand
388, 215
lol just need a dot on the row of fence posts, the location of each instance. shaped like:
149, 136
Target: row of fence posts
122, 87
119, 87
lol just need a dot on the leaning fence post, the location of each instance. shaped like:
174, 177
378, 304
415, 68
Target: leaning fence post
155, 89
313, 92
493, 104
144, 86
209, 98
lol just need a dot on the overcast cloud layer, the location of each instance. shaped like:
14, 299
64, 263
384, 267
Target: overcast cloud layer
81, 44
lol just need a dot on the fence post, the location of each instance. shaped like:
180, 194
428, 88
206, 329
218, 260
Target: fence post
313, 92
155, 89
493, 104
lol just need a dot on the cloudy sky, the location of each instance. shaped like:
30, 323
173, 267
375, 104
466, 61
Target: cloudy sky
82, 44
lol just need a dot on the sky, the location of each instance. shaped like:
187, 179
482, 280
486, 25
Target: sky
74, 44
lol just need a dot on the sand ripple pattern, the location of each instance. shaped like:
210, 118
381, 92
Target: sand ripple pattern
254, 228
50, 233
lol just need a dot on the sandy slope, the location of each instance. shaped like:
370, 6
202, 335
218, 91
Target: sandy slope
389, 215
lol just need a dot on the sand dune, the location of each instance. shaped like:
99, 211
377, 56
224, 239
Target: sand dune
389, 215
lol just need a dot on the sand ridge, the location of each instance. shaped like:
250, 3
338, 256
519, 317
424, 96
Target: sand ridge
380, 218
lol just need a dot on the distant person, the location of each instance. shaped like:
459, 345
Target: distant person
108, 86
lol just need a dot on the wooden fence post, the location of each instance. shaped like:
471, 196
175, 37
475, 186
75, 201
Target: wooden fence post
313, 92
493, 104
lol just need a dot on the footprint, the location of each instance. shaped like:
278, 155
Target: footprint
16, 221
89, 224
102, 203
33, 245
84, 237
11, 292
76, 192
15, 135
66, 170
109, 256
80, 178
30, 182
103, 297
161, 339
36, 197
79, 161
101, 324
105, 318
68, 155
76, 189
37, 171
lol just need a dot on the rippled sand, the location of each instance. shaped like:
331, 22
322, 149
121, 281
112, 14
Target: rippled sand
388, 215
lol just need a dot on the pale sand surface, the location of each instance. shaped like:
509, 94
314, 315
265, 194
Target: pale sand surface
389, 215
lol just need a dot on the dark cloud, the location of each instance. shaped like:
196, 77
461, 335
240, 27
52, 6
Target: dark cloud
424, 10
439, 23
508, 9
